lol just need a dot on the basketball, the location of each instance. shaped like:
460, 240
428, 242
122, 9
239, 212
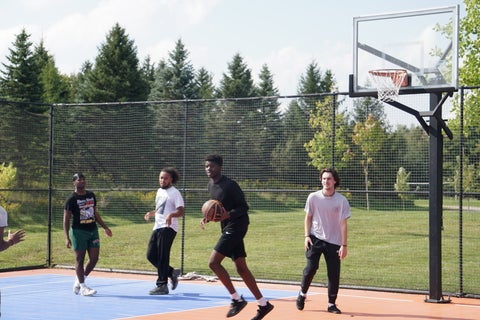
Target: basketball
212, 210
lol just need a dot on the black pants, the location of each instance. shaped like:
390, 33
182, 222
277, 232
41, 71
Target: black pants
330, 252
158, 253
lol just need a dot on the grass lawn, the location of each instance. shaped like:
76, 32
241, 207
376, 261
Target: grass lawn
387, 249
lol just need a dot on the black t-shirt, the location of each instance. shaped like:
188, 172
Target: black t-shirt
83, 210
229, 193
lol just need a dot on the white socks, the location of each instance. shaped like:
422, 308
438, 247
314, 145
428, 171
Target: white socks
236, 296
262, 302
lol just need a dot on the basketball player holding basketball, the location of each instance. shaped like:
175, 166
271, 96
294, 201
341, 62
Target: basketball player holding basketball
234, 226
326, 217
169, 206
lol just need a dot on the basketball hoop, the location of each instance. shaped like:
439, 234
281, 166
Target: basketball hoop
388, 82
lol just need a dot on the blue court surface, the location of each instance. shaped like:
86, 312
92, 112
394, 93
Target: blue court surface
50, 296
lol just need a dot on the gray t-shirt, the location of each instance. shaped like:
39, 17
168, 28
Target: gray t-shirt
327, 214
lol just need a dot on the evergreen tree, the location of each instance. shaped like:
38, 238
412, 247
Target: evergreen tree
266, 87
238, 82
270, 126
20, 81
116, 75
79, 82
41, 56
206, 89
55, 87
175, 80
181, 75
314, 81
148, 72
159, 87
232, 117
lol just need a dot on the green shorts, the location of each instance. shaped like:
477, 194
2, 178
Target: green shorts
84, 239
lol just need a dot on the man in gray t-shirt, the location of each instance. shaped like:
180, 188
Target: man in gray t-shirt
326, 218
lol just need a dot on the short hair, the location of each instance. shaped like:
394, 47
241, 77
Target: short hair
77, 176
173, 173
215, 158
334, 174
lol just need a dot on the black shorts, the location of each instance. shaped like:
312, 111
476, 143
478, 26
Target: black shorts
231, 243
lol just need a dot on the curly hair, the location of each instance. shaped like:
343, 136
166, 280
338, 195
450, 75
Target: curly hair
173, 173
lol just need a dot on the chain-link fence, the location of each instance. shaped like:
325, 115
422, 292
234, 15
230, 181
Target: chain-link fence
272, 146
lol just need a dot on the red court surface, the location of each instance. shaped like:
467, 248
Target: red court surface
355, 304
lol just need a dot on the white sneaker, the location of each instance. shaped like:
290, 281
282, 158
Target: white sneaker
86, 291
76, 287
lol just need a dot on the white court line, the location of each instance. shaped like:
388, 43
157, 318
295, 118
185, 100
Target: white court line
33, 284
466, 305
376, 298
363, 297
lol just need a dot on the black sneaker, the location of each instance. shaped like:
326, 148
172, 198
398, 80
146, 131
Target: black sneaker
263, 311
300, 302
174, 279
334, 309
160, 290
236, 306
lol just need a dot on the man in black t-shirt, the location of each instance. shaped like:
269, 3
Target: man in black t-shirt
82, 235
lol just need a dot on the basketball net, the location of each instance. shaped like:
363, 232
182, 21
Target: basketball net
388, 82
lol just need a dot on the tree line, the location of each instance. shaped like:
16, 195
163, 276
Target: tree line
302, 132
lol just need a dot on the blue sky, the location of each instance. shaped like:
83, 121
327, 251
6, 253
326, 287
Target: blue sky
286, 35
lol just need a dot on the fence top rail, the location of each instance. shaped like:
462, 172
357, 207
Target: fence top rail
186, 100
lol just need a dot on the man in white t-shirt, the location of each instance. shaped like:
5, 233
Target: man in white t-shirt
326, 217
169, 206
13, 238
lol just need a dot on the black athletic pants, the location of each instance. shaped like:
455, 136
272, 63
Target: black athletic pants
158, 253
330, 252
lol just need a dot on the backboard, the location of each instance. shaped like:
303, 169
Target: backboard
422, 42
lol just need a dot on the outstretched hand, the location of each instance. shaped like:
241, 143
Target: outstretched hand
16, 237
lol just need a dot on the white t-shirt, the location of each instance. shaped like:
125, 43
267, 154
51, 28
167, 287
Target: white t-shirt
3, 217
327, 214
167, 201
